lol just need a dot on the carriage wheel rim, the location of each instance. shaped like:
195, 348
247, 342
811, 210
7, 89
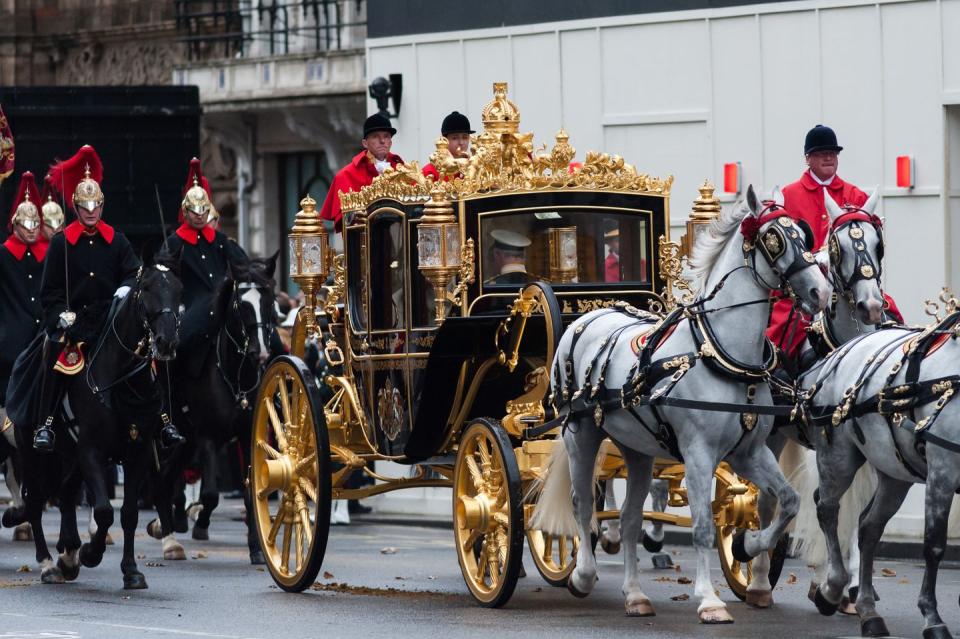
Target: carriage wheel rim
554, 555
286, 463
482, 522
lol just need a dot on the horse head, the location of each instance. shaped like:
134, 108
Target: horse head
856, 256
158, 305
788, 263
256, 302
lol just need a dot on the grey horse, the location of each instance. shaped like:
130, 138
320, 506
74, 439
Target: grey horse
917, 441
746, 253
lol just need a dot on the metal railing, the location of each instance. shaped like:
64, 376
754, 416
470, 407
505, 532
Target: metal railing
213, 29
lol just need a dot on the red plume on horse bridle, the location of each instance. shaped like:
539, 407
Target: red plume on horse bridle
751, 225
66, 175
27, 185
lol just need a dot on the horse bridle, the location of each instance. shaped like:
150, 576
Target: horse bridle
773, 243
864, 268
240, 347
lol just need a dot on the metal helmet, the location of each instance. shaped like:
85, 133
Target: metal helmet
25, 211
80, 176
87, 195
196, 201
53, 215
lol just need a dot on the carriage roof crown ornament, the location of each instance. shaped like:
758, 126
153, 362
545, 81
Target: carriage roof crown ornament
500, 115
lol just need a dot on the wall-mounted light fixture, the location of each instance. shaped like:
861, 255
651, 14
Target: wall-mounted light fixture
905, 172
731, 178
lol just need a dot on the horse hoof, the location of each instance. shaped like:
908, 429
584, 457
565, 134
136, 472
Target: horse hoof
573, 589
88, 557
739, 548
760, 598
201, 534
134, 581
609, 547
257, 558
640, 608
51, 575
13, 517
70, 573
824, 607
652, 545
23, 532
715, 615
108, 540
847, 607
175, 553
875, 627
154, 529
937, 632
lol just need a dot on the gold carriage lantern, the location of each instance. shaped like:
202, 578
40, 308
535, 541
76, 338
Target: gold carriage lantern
563, 254
438, 245
706, 209
310, 256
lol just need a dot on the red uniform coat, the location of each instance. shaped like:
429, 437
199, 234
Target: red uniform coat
353, 177
611, 268
803, 200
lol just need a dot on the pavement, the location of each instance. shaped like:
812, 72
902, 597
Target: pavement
385, 578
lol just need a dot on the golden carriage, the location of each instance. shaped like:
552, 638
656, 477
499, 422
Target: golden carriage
434, 344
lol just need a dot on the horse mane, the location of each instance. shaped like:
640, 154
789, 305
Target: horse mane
710, 244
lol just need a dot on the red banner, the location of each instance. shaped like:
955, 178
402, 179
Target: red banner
6, 147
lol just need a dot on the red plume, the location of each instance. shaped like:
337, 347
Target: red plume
64, 176
27, 183
194, 172
48, 190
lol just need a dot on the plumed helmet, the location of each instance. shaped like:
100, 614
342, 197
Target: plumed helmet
196, 193
80, 176
52, 212
820, 138
25, 211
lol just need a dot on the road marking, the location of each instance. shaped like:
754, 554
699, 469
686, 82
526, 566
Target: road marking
123, 626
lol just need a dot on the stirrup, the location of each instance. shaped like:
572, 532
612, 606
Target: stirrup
44, 438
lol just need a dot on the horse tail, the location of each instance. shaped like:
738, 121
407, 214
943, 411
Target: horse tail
809, 541
554, 489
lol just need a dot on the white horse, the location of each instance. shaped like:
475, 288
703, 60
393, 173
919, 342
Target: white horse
721, 333
854, 242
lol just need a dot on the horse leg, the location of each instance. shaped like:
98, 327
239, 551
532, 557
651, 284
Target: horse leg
133, 579
760, 590
209, 489
253, 541
610, 537
91, 554
653, 534
34, 501
165, 483
699, 477
940, 490
639, 470
70, 542
837, 463
180, 524
886, 502
583, 444
15, 516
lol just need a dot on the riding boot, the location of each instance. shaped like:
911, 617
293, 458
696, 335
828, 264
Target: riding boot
51, 394
170, 437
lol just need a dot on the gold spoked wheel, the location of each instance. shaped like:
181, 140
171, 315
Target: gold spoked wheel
555, 556
290, 471
487, 513
735, 510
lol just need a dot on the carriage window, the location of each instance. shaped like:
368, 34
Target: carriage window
387, 269
357, 278
570, 246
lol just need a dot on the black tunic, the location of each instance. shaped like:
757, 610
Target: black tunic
204, 265
20, 310
97, 268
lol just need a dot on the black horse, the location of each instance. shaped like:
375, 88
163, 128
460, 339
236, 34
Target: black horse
113, 410
215, 406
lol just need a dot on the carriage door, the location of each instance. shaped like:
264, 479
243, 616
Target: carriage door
389, 323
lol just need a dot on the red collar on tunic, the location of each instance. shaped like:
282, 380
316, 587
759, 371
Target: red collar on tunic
358, 161
76, 229
191, 235
18, 248
812, 185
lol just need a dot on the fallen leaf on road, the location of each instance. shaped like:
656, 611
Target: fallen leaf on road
155, 564
888, 572
376, 592
200, 555
682, 597
662, 579
327, 575
904, 581
791, 578
676, 567
400, 578
24, 568
684, 580
389, 550
260, 570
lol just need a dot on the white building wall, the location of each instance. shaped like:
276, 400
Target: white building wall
685, 92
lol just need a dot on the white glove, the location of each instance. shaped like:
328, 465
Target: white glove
382, 165
67, 318
121, 292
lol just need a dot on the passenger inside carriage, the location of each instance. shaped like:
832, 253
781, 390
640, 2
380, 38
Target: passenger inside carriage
580, 247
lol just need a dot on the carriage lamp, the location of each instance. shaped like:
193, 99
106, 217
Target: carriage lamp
563, 254
309, 255
706, 209
438, 247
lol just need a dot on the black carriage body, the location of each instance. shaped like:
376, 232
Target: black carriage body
416, 381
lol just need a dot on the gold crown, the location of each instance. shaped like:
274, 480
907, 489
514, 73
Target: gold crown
500, 115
